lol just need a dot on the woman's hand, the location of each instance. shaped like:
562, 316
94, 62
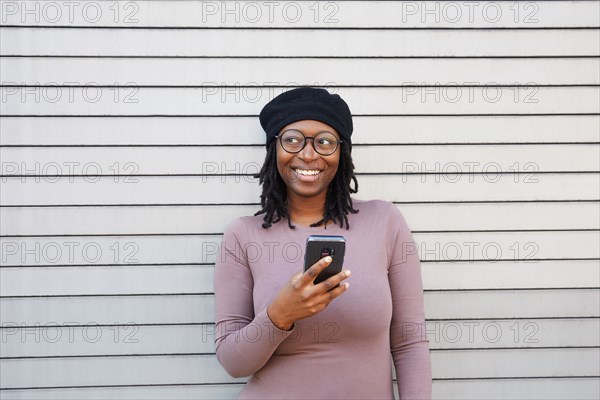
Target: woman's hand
300, 298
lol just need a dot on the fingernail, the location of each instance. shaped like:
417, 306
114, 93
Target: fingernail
348, 272
347, 284
328, 259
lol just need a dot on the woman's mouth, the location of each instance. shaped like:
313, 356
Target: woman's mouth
307, 172
307, 175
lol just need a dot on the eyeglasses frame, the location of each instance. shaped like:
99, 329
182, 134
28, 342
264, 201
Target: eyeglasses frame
337, 145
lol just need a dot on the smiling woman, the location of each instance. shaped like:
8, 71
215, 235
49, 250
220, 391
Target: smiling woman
301, 339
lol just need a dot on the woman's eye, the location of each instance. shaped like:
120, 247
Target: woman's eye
325, 141
292, 140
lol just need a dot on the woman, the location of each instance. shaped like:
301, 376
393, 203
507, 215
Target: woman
325, 341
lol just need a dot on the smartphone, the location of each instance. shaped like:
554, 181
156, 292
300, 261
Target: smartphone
319, 246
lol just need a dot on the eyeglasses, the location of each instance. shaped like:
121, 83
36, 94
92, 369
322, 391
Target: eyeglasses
293, 141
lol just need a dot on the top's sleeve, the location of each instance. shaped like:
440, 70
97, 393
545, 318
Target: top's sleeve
409, 344
244, 342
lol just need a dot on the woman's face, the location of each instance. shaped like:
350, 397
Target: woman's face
307, 173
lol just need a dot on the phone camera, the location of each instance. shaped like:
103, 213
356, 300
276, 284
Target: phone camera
327, 251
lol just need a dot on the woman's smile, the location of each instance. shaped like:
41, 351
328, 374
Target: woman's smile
308, 175
307, 172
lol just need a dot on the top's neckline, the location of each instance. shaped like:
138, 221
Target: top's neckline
330, 226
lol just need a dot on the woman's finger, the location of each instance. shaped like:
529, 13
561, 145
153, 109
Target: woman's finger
329, 296
311, 273
332, 282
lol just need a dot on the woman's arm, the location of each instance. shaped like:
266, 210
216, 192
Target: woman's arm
409, 344
244, 342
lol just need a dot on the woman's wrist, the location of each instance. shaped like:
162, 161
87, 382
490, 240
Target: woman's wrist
279, 322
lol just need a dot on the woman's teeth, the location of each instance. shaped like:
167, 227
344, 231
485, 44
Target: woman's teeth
307, 172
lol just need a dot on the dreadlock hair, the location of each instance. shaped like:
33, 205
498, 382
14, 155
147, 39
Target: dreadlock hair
338, 204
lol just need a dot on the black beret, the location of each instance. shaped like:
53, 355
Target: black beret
306, 103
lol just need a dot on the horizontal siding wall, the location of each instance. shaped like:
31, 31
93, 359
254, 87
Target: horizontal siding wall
128, 140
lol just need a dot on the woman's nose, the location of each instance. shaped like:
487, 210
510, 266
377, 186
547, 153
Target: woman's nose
308, 152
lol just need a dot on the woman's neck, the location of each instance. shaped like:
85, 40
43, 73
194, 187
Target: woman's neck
306, 210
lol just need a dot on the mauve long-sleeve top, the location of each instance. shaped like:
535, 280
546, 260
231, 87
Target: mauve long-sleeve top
347, 350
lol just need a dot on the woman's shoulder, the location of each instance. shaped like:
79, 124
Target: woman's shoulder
376, 206
380, 210
244, 224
